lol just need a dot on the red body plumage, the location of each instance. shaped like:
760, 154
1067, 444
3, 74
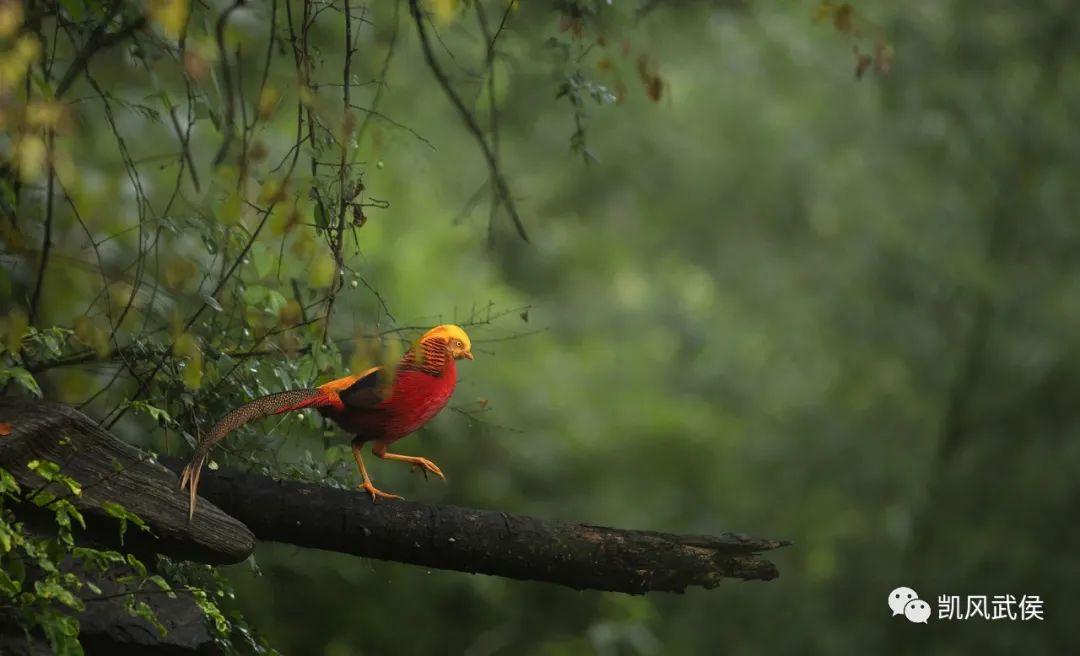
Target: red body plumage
415, 397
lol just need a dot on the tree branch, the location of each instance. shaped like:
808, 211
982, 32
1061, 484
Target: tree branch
97, 42
110, 470
580, 556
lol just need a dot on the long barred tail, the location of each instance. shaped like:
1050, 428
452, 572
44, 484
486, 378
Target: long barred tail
264, 406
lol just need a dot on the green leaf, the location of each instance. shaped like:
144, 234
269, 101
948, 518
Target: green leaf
202, 110
124, 515
7, 537
52, 589
22, 377
262, 258
70, 512
8, 484
193, 373
62, 632
321, 273
44, 468
75, 10
8, 587
71, 483
255, 294
139, 608
12, 576
136, 564
275, 301
211, 611
97, 558
52, 339
161, 583
159, 415
230, 210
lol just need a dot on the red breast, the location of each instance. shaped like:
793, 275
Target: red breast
416, 396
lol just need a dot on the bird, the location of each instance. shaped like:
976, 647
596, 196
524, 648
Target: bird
375, 405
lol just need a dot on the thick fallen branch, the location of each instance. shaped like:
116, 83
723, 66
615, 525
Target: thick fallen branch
110, 470
580, 556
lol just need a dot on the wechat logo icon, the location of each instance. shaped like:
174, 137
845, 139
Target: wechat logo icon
906, 602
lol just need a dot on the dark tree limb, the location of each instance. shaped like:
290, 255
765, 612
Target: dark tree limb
581, 556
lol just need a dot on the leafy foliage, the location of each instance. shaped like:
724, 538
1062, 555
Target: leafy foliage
34, 583
46, 580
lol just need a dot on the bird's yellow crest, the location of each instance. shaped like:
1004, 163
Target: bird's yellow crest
449, 331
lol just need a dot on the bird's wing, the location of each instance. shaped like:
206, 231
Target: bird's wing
364, 391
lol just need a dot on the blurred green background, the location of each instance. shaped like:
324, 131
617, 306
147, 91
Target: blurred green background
778, 299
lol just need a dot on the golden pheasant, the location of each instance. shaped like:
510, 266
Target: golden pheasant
373, 405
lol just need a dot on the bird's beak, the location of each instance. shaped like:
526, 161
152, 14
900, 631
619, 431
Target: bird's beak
467, 354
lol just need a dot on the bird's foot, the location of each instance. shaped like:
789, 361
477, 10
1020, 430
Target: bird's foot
426, 466
376, 493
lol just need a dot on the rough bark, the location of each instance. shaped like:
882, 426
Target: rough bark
111, 470
581, 556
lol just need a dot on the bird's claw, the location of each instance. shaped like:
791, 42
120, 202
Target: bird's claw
426, 466
376, 493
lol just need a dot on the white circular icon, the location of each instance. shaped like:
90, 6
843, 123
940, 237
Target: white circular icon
899, 598
917, 611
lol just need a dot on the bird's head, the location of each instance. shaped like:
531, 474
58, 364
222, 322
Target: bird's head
456, 341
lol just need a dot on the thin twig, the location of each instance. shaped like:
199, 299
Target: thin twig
398, 124
267, 62
97, 42
46, 240
501, 188
185, 135
337, 239
226, 75
391, 48
493, 114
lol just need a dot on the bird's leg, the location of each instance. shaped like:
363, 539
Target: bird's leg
379, 449
366, 484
